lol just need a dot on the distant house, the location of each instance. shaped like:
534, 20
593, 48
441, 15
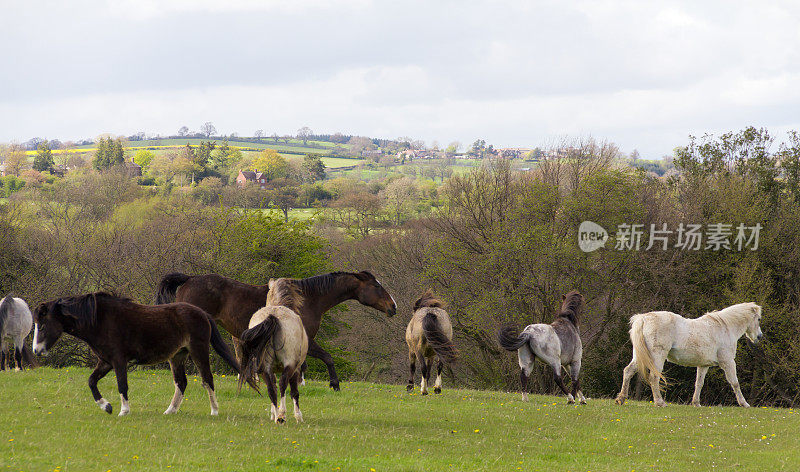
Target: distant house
133, 169
2, 170
246, 176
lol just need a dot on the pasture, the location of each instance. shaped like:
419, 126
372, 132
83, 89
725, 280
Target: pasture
49, 422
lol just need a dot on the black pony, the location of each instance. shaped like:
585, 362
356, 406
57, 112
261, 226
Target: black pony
120, 331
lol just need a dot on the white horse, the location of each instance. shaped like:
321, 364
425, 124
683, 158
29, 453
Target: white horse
15, 323
703, 342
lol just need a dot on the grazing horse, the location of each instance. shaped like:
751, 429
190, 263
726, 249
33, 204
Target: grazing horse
120, 331
276, 333
429, 334
557, 344
702, 342
15, 323
233, 303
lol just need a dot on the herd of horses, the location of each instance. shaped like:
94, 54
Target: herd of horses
273, 328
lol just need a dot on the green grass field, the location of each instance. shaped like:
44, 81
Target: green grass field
293, 144
49, 422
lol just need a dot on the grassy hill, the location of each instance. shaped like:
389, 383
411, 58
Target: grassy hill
51, 423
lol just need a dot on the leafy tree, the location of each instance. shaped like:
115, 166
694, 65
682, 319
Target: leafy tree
109, 153
143, 157
304, 133
314, 167
184, 131
44, 158
271, 164
13, 157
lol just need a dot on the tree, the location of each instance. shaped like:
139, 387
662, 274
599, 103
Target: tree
271, 164
285, 198
259, 134
635, 155
360, 144
314, 167
452, 149
275, 137
184, 131
208, 129
143, 157
304, 133
13, 158
44, 158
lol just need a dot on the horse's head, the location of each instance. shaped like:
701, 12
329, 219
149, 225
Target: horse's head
370, 292
753, 331
51, 319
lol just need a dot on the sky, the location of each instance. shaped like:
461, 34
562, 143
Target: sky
644, 75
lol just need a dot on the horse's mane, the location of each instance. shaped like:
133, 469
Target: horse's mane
570, 308
428, 299
321, 284
83, 308
283, 292
739, 315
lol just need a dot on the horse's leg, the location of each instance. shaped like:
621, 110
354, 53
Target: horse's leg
288, 372
3, 349
99, 372
423, 385
698, 384
560, 381
627, 375
574, 373
525, 358
303, 369
437, 386
729, 366
655, 385
295, 394
121, 371
315, 351
269, 378
178, 366
18, 357
412, 359
199, 353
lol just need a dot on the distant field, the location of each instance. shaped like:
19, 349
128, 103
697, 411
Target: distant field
294, 145
51, 423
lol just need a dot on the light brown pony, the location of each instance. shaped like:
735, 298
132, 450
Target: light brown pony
276, 333
429, 334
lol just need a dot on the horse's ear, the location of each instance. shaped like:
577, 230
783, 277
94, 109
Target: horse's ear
563, 297
417, 304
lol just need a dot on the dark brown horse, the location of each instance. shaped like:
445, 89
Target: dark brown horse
120, 331
233, 303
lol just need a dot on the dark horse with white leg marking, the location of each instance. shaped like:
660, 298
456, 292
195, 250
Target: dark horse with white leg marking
557, 344
120, 331
233, 303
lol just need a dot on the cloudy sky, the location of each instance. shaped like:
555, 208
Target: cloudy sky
642, 74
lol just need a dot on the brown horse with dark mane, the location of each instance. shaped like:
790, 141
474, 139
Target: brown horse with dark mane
429, 335
233, 303
120, 331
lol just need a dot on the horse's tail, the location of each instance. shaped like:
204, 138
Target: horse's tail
27, 354
168, 286
644, 359
5, 309
254, 343
439, 341
510, 340
224, 351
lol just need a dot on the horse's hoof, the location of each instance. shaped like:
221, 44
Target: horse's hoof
745, 405
108, 408
620, 400
695, 403
570, 402
123, 412
409, 388
583, 402
424, 392
437, 390
280, 420
661, 404
335, 386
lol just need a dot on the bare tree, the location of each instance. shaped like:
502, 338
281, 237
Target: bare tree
208, 129
304, 133
183, 131
259, 134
